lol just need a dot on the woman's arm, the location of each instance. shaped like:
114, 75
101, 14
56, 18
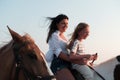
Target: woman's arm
64, 57
81, 62
74, 56
79, 59
76, 61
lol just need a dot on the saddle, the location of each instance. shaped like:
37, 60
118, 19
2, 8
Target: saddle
77, 75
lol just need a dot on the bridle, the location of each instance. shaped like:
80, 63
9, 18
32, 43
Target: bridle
20, 66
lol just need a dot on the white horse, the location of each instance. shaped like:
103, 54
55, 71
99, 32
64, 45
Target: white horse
106, 69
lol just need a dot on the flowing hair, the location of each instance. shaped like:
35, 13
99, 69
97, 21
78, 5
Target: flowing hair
74, 36
53, 25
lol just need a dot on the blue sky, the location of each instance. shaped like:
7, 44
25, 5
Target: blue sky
28, 16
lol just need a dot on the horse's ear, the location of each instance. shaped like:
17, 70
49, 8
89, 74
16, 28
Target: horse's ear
15, 36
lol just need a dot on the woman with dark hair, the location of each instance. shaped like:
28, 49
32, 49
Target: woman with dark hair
57, 53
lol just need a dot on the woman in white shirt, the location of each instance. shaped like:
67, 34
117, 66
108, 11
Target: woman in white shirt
58, 48
57, 53
80, 33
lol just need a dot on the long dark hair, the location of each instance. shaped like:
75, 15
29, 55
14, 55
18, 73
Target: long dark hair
53, 25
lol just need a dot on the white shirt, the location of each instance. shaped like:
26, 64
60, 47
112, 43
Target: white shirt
78, 47
56, 45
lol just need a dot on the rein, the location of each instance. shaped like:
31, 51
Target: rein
20, 66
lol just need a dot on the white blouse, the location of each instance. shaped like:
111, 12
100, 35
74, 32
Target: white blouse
78, 47
56, 46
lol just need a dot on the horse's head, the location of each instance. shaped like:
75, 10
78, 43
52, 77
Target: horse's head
29, 60
118, 58
117, 69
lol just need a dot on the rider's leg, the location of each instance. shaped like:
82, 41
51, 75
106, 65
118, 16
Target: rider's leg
85, 71
64, 74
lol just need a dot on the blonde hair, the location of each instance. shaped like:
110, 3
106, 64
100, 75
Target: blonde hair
74, 36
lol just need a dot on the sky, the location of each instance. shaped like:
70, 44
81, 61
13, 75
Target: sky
29, 16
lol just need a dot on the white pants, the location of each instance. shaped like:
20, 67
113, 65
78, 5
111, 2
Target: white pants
85, 71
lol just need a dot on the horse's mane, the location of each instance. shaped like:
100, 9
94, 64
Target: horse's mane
6, 45
28, 38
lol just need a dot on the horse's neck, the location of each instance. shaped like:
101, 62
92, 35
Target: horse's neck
6, 61
108, 64
106, 68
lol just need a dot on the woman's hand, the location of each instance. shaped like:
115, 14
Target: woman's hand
91, 57
94, 58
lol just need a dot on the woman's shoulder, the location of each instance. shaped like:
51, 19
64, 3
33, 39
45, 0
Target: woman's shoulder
55, 34
76, 41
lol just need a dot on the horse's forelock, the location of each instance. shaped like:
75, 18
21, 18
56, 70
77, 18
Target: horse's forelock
27, 37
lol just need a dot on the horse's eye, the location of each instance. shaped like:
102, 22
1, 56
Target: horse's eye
32, 56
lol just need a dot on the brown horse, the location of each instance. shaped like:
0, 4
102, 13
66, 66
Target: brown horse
21, 59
